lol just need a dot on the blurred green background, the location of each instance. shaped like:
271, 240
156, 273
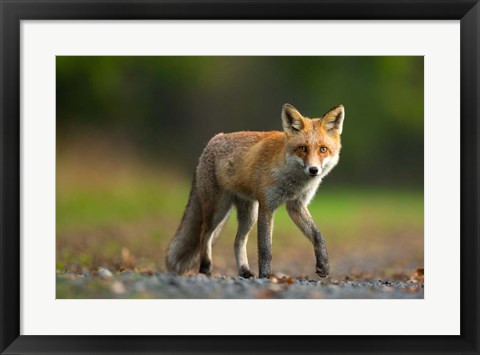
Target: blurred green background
130, 130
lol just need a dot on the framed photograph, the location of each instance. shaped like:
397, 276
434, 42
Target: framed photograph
164, 177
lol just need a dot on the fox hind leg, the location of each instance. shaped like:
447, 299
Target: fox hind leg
247, 212
214, 217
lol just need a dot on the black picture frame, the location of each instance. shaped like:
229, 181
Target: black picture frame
12, 12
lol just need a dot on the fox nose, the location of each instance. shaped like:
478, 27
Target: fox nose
313, 170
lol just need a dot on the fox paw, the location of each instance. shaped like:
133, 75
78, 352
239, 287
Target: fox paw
205, 267
247, 274
322, 271
265, 276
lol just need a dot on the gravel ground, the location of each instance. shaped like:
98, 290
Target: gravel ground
105, 284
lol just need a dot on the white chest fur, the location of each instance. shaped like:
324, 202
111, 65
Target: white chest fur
292, 185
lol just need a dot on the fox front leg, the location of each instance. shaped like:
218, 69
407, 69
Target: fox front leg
265, 226
302, 218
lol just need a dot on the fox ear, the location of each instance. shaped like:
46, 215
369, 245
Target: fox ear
332, 121
292, 120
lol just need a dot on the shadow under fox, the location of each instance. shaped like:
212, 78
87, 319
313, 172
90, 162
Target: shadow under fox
256, 172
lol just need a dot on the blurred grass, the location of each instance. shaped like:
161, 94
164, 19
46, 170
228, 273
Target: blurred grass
85, 207
344, 208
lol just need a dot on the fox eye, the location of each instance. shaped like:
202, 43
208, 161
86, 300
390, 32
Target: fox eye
303, 148
323, 149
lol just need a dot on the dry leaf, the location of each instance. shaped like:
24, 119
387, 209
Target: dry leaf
128, 260
146, 271
287, 280
417, 276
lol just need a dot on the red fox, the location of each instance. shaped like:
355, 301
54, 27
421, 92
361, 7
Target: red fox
256, 172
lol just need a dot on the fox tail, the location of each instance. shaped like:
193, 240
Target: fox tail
184, 249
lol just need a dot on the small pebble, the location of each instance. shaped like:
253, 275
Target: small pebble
104, 273
118, 287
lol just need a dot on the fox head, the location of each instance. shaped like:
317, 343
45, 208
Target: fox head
313, 144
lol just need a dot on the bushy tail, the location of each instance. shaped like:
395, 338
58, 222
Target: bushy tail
184, 249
